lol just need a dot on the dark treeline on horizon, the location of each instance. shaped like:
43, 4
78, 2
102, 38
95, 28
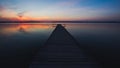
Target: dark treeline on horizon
59, 21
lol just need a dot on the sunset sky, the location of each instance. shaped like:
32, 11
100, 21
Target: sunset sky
60, 10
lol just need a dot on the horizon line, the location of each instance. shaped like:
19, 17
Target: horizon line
62, 21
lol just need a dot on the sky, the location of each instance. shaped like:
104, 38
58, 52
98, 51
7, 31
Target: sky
91, 10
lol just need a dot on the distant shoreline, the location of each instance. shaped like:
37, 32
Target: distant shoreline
59, 21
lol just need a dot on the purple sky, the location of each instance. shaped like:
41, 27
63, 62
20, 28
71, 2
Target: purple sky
60, 10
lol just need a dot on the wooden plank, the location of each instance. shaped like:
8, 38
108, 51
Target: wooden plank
62, 51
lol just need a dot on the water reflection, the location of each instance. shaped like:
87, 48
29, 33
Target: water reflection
11, 29
18, 42
99, 32
86, 32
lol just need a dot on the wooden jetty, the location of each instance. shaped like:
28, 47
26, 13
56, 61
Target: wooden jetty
62, 51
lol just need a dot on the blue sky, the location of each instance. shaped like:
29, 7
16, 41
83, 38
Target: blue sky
60, 9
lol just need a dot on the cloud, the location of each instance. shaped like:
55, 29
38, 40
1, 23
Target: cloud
1, 8
58, 10
6, 13
21, 14
22, 30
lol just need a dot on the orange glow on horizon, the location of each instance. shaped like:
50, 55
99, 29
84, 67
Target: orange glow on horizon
28, 28
44, 18
26, 18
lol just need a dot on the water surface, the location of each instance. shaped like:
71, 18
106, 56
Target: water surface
19, 42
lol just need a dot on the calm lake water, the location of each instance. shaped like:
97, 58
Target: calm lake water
19, 42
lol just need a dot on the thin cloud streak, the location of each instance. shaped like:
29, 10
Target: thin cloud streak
59, 10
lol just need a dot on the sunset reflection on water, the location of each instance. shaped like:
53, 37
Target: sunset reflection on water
99, 39
10, 29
